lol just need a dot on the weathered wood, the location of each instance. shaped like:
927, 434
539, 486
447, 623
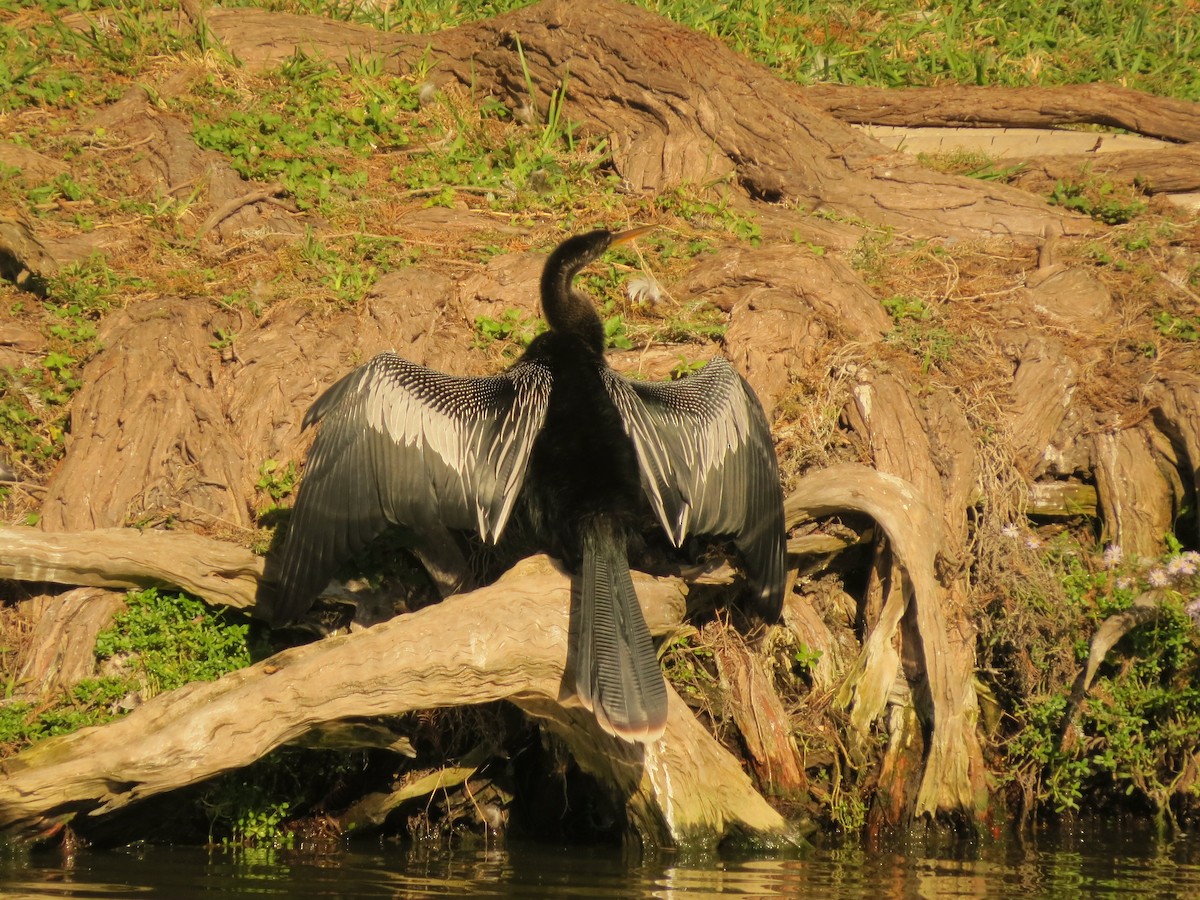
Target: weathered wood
1010, 144
884, 413
805, 622
954, 105
785, 307
1071, 296
216, 571
1061, 499
1176, 399
1171, 170
686, 789
1043, 385
953, 775
817, 544
1135, 497
61, 650
758, 713
1146, 608
936, 465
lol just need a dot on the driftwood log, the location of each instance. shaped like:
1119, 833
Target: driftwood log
216, 571
165, 429
506, 641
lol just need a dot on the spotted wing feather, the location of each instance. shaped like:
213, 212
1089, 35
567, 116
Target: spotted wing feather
402, 444
708, 467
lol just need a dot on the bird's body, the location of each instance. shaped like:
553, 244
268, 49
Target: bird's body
582, 463
570, 447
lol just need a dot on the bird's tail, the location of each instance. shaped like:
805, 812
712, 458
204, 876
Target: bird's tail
616, 670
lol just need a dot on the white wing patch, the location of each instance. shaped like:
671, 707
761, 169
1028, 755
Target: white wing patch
695, 427
480, 429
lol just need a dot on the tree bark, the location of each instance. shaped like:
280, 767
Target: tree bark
62, 647
1171, 170
1035, 107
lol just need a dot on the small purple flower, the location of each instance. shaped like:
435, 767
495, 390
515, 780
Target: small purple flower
1113, 554
1193, 610
1188, 563
1158, 578
1033, 542
1176, 566
1010, 532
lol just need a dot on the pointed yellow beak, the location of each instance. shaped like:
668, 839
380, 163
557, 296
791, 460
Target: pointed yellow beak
622, 236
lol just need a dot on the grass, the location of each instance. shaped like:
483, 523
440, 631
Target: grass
1099, 199
896, 43
513, 326
306, 127
919, 328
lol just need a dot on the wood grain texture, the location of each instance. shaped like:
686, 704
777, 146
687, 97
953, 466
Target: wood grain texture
506, 641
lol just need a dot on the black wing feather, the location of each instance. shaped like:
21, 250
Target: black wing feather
402, 444
708, 467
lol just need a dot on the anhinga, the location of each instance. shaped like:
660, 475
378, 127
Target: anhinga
574, 449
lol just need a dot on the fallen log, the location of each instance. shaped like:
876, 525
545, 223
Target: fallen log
215, 571
1170, 170
505, 641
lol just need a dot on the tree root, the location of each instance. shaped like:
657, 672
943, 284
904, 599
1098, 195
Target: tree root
506, 641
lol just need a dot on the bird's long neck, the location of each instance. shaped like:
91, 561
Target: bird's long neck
566, 310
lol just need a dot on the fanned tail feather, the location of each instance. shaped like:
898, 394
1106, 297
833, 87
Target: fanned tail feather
617, 674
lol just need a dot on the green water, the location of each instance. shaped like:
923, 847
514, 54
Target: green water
1096, 862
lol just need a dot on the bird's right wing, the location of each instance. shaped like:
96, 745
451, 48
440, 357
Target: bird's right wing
708, 466
403, 444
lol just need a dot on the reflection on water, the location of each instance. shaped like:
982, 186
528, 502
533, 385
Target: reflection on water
1092, 863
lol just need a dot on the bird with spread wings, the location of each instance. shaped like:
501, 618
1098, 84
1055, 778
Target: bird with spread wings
570, 445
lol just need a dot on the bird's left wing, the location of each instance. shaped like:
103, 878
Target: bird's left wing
708, 466
403, 444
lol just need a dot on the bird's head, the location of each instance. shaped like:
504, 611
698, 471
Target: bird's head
566, 309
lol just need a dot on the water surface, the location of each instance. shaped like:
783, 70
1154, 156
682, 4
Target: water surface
1092, 862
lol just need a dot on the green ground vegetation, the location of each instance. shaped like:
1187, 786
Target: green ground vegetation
1136, 730
159, 642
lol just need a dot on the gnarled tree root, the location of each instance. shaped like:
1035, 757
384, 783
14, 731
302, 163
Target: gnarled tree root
952, 774
506, 641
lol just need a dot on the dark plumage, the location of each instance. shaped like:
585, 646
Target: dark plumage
577, 448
